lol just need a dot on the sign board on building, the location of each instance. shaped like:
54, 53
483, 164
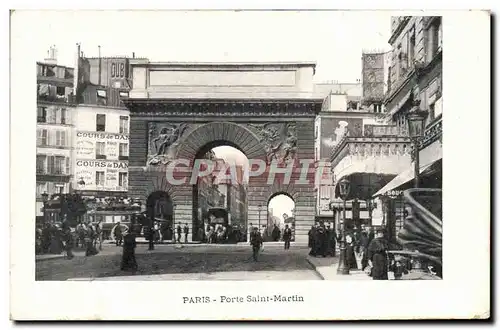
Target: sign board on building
106, 171
334, 129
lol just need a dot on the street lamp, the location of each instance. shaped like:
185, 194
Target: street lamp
416, 126
45, 198
173, 221
260, 210
344, 187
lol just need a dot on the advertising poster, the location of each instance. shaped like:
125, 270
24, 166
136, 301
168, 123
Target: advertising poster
334, 129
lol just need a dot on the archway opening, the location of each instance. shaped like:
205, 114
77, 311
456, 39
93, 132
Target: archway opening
280, 215
160, 210
220, 197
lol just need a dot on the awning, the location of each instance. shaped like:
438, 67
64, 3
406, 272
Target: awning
403, 178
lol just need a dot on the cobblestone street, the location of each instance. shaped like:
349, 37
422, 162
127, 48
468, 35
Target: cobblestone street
169, 262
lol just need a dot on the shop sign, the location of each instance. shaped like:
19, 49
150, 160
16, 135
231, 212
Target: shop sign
102, 164
102, 136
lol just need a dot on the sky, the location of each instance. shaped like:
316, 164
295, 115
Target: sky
334, 40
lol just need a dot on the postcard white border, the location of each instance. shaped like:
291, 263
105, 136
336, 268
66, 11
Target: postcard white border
464, 293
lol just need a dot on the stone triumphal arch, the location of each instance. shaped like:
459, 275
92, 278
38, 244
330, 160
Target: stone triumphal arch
178, 111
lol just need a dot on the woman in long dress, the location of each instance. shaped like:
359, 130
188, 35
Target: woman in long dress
377, 256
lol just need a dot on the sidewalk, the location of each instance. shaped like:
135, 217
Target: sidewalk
327, 269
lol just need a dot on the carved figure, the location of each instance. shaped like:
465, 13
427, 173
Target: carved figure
167, 139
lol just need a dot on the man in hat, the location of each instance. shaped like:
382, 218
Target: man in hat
255, 242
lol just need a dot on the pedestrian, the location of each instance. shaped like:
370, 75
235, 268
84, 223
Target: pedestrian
287, 237
68, 240
128, 257
321, 241
255, 242
89, 236
179, 232
201, 234
377, 256
151, 237
312, 240
186, 232
350, 256
99, 233
118, 234
363, 244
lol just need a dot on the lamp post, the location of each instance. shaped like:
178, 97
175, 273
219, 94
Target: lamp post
416, 126
45, 198
260, 210
173, 222
344, 187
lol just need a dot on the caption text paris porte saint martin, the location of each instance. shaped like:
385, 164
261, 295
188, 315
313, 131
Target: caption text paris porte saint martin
243, 299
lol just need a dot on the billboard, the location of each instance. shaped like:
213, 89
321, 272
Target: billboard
333, 129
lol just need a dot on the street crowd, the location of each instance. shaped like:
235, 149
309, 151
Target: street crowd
52, 238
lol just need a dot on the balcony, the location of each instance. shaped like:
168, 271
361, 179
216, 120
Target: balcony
54, 175
433, 132
57, 98
372, 160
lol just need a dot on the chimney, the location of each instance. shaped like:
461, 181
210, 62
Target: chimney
76, 72
52, 55
133, 54
100, 66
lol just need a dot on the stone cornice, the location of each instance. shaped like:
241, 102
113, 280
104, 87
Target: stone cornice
224, 108
341, 150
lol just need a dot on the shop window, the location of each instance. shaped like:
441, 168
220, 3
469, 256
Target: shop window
99, 178
100, 152
123, 125
100, 123
123, 151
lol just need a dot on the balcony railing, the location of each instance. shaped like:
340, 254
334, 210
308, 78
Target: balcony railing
432, 132
57, 98
52, 172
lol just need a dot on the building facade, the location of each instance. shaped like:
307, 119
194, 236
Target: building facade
55, 118
379, 160
415, 83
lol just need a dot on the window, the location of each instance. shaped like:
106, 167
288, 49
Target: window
434, 38
432, 112
59, 164
60, 138
123, 125
123, 151
124, 94
60, 91
64, 114
41, 137
99, 178
411, 49
41, 116
100, 152
122, 179
100, 123
51, 115
40, 189
59, 189
101, 97
40, 164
